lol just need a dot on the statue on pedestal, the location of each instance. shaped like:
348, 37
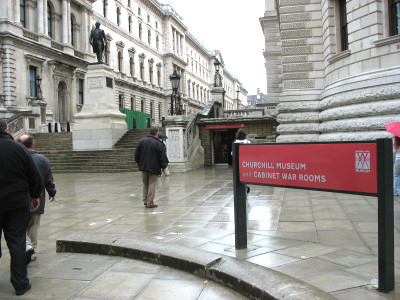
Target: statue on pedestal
98, 41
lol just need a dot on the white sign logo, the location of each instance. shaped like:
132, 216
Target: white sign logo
363, 161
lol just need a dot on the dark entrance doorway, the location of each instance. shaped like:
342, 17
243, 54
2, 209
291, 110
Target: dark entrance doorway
222, 141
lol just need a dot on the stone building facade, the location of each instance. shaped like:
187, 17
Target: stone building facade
45, 54
334, 67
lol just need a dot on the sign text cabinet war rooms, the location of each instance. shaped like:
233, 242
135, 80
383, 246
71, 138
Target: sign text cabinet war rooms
45, 57
334, 67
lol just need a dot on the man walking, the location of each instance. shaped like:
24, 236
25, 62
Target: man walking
47, 184
150, 157
20, 184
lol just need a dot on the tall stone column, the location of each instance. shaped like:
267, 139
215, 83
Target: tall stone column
65, 21
40, 16
100, 124
16, 11
85, 30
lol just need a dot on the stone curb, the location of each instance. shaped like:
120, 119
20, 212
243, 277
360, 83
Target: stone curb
248, 279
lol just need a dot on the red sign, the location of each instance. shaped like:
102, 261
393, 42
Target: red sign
350, 167
224, 126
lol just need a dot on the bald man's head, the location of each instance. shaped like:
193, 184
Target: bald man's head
27, 140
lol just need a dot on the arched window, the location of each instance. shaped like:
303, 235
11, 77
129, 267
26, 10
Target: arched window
22, 19
49, 25
141, 70
119, 61
131, 67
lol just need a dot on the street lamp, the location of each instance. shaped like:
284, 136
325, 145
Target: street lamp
217, 77
175, 97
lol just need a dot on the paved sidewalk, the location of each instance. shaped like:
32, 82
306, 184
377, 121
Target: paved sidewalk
328, 240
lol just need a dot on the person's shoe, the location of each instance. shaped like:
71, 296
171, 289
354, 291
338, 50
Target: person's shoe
28, 287
28, 255
152, 205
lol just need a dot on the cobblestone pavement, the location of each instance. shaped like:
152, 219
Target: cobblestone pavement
328, 240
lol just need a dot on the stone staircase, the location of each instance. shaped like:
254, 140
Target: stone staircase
57, 147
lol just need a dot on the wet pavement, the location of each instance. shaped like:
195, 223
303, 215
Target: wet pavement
328, 240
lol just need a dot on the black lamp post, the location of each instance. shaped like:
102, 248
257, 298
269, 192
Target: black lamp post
237, 97
175, 97
217, 77
38, 87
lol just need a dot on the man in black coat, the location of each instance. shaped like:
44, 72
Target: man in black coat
47, 185
20, 184
150, 157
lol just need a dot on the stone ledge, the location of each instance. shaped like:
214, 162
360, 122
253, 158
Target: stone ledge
249, 279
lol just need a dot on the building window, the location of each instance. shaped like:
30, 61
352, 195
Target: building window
151, 110
159, 111
72, 31
119, 61
148, 18
158, 43
394, 17
49, 25
149, 37
118, 15
142, 106
151, 74
158, 77
129, 3
141, 70
139, 11
344, 41
32, 81
130, 24
156, 25
106, 54
132, 104
131, 66
80, 91
120, 101
140, 30
22, 12
105, 8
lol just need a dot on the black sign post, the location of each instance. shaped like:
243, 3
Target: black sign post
385, 216
384, 174
240, 209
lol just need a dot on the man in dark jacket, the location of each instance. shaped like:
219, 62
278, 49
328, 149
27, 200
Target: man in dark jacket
20, 184
150, 157
47, 185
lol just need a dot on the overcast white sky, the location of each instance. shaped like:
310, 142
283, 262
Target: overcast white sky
232, 27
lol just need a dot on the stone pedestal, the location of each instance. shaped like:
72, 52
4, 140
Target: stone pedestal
100, 124
184, 149
218, 95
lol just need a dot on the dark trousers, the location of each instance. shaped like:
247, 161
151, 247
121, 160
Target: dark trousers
14, 223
